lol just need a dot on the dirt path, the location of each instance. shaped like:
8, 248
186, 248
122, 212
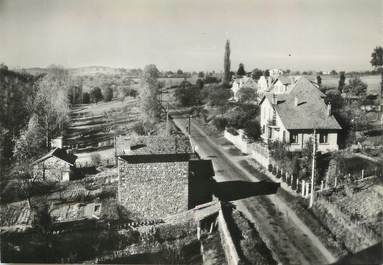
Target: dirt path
290, 240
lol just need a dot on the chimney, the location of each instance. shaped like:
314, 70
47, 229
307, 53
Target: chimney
329, 109
296, 101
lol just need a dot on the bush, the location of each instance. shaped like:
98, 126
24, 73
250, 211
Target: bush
270, 167
220, 123
253, 130
232, 131
85, 98
187, 94
108, 93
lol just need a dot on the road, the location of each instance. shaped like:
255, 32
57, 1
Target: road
290, 241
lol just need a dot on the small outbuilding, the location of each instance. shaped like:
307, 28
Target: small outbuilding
57, 165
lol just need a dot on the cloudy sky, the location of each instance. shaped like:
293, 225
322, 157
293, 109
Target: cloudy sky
191, 34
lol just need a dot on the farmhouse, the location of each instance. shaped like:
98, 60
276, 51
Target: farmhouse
292, 118
57, 165
160, 176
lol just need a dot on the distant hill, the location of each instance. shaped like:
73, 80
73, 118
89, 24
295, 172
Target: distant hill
79, 71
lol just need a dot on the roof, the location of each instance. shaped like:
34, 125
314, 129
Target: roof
285, 80
59, 153
311, 111
145, 145
156, 158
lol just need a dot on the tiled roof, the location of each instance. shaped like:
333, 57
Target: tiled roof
311, 111
59, 153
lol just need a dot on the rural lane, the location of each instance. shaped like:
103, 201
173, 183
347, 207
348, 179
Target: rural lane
289, 239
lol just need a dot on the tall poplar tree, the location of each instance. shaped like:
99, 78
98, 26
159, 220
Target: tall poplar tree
226, 65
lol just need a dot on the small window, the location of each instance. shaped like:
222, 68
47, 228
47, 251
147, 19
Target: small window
293, 138
323, 138
97, 208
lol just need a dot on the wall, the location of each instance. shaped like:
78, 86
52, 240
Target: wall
237, 140
153, 190
304, 137
53, 167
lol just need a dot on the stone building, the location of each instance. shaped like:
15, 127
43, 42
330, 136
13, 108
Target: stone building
57, 165
160, 176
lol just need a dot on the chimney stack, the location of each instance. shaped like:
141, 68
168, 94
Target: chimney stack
329, 109
296, 101
274, 99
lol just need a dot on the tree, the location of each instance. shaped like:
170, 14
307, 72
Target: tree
246, 95
253, 130
187, 94
199, 83
201, 75
226, 65
107, 93
333, 72
319, 80
266, 73
377, 62
179, 72
256, 74
150, 107
241, 70
342, 79
95, 95
356, 87
85, 98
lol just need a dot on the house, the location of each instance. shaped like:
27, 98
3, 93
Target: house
264, 84
160, 176
241, 82
282, 84
57, 165
294, 116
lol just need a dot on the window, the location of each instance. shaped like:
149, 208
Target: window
323, 138
293, 138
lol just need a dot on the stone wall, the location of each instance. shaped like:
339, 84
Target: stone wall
153, 190
52, 169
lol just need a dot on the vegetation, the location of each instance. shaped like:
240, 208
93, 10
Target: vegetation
226, 65
241, 70
187, 94
342, 79
256, 74
246, 95
377, 62
150, 107
95, 95
107, 93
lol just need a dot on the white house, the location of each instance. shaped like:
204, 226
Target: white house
243, 81
292, 117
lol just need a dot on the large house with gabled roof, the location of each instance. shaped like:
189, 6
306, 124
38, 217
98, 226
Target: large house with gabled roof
292, 117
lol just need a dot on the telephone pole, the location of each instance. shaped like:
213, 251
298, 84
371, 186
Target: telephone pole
313, 170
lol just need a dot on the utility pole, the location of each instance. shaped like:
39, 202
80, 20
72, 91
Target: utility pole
167, 119
189, 124
313, 170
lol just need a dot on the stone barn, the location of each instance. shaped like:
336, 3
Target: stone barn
57, 165
160, 176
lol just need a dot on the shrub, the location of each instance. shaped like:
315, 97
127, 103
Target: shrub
108, 93
232, 131
270, 167
220, 123
253, 130
85, 98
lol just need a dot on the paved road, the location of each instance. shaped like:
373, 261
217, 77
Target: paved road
290, 241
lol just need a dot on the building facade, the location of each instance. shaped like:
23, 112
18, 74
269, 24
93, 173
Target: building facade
294, 116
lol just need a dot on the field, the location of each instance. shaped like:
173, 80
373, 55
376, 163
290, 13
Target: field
372, 81
93, 126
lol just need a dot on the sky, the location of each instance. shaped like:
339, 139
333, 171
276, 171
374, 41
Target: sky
191, 34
